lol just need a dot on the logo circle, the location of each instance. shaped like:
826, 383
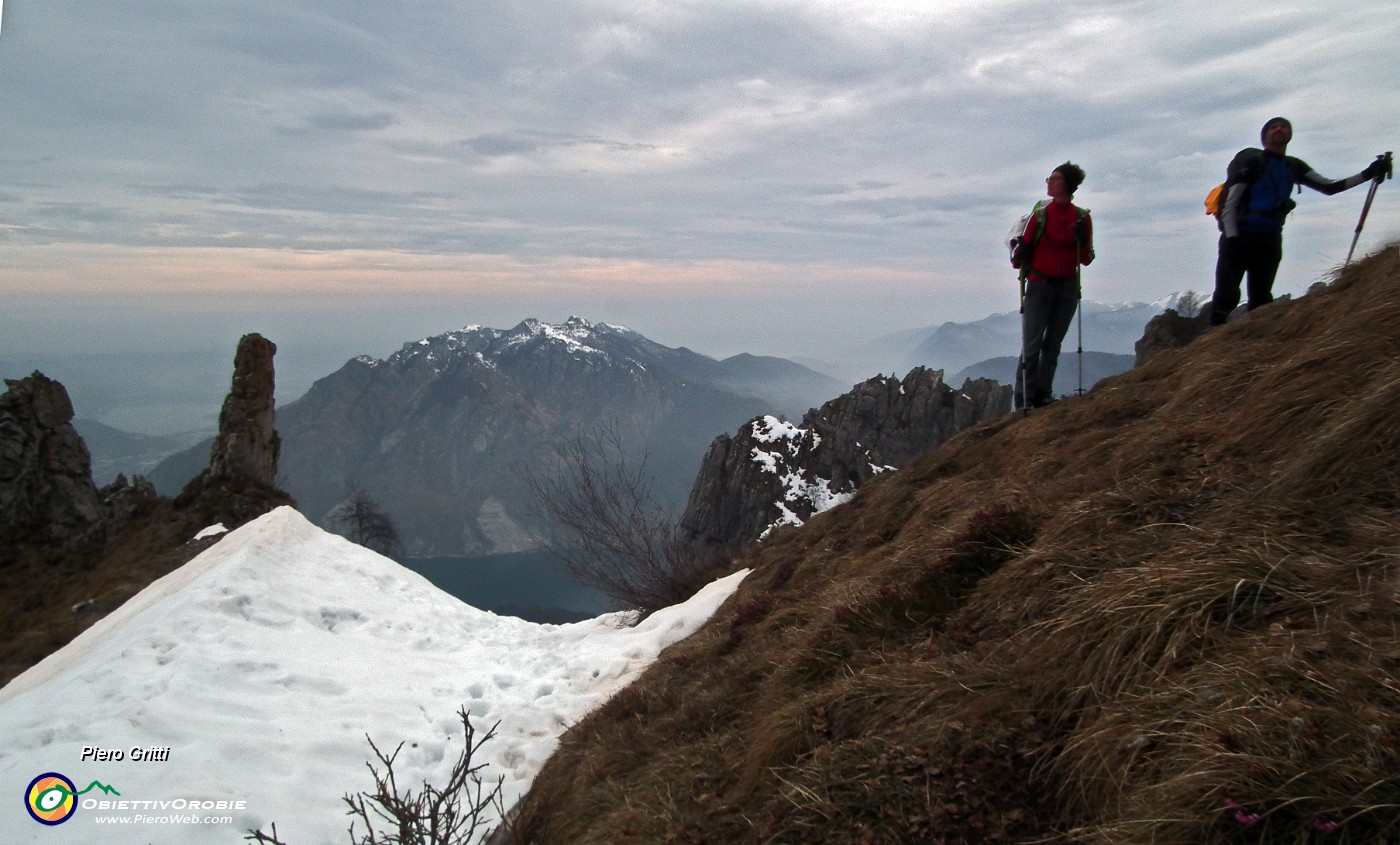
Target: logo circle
51, 799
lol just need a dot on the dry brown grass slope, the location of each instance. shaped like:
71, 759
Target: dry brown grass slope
1164, 612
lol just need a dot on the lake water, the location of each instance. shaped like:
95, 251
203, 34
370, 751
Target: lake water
530, 585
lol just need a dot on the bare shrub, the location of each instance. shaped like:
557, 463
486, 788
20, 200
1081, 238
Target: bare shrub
365, 522
609, 532
1189, 303
448, 816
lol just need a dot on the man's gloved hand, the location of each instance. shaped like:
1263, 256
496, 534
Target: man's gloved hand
1231, 248
1379, 169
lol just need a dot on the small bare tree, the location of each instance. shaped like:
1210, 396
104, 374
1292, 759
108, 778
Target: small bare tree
365, 522
1188, 304
608, 530
447, 816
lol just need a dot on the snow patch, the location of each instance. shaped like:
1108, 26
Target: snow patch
816, 493
799, 491
770, 429
262, 665
212, 531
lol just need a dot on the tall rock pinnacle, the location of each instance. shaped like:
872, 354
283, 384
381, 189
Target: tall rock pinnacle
247, 446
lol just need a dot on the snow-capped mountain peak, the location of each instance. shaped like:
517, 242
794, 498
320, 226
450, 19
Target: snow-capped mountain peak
575, 336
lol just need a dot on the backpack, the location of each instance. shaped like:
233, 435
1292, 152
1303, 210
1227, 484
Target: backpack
1215, 200
1251, 169
1020, 251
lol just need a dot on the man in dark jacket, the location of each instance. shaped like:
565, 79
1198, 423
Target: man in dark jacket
1258, 196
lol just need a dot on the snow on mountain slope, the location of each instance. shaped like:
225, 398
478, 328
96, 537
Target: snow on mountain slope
781, 453
263, 664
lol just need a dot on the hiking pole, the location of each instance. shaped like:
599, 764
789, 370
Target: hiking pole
1370, 195
1025, 373
1080, 320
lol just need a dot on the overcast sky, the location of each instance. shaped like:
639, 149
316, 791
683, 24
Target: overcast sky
773, 176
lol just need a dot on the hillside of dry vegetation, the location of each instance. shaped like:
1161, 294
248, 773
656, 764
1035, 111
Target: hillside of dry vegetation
1164, 612
52, 593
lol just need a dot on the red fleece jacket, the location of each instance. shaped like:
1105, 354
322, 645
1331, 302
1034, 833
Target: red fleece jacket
1054, 254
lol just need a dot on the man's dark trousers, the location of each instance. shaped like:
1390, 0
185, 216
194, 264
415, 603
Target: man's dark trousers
1248, 255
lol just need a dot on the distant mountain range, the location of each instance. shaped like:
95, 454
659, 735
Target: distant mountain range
444, 433
954, 347
115, 452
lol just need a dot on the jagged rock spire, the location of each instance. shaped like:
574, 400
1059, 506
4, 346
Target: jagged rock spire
247, 446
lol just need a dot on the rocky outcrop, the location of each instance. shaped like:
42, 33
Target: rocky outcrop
1172, 329
47, 494
241, 478
773, 473
124, 500
247, 446
70, 552
1169, 330
46, 489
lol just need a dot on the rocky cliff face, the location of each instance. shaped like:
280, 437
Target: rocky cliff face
773, 473
46, 488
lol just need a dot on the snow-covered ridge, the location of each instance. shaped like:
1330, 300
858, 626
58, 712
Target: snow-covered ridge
1170, 301
263, 664
575, 336
1093, 305
1174, 301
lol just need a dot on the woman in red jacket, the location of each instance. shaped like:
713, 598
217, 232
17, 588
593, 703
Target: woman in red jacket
1058, 239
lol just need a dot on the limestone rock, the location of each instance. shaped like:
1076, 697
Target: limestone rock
46, 489
124, 500
247, 446
1169, 330
773, 473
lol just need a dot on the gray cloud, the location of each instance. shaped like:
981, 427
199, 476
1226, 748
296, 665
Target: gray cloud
871, 134
345, 121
